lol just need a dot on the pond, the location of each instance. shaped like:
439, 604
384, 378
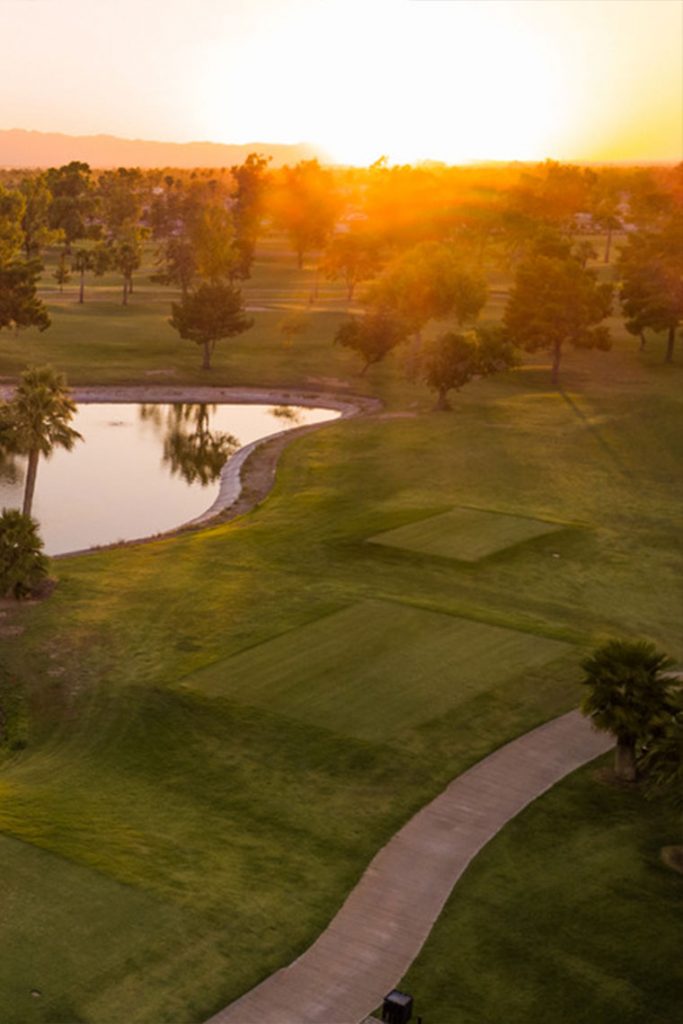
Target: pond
141, 469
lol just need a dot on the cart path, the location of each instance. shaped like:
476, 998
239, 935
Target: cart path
372, 941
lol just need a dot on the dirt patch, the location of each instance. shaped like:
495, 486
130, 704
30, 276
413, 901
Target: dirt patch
398, 416
328, 382
10, 631
606, 776
672, 856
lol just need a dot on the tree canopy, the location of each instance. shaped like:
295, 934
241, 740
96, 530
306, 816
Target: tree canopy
427, 283
38, 420
22, 563
20, 306
306, 204
628, 694
554, 302
209, 314
372, 336
451, 360
651, 273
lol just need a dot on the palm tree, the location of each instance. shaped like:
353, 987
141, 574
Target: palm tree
663, 763
41, 411
22, 562
629, 695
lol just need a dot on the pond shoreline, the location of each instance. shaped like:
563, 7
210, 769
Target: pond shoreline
248, 475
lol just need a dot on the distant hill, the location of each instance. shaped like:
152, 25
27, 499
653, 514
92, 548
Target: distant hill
19, 148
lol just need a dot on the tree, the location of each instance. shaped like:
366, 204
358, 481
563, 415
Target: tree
126, 255
662, 760
293, 325
428, 283
73, 200
96, 260
39, 415
177, 263
629, 695
213, 242
119, 195
208, 314
452, 360
556, 301
605, 206
35, 219
20, 307
251, 185
354, 257
306, 206
372, 336
12, 209
22, 562
63, 271
652, 281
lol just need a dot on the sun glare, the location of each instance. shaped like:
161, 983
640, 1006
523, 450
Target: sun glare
453, 82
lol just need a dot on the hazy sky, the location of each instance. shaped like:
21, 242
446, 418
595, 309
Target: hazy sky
447, 79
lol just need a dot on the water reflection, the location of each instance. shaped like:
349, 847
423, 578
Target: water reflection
190, 448
141, 470
287, 412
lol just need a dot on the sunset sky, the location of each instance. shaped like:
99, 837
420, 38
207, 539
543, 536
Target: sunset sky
454, 80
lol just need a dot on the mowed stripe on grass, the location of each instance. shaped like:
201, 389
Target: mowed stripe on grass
465, 534
375, 669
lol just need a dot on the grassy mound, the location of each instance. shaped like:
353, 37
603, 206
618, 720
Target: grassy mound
376, 669
465, 534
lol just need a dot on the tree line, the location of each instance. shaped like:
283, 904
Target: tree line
409, 243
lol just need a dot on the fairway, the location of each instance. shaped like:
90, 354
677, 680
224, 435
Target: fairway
375, 669
465, 534
98, 942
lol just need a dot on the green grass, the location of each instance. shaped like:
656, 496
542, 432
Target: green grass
466, 534
147, 777
567, 916
376, 669
99, 943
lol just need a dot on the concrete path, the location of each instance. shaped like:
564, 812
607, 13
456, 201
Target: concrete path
380, 929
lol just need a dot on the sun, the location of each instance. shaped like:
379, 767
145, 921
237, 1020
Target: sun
452, 83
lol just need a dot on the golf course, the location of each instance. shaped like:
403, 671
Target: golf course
208, 736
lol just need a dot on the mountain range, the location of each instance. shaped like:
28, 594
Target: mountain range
28, 149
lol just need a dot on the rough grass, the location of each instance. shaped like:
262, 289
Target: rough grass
567, 916
377, 669
465, 534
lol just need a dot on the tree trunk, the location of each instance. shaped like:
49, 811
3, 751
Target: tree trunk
608, 244
30, 485
124, 301
81, 290
669, 358
557, 354
642, 341
442, 403
625, 761
206, 361
413, 356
